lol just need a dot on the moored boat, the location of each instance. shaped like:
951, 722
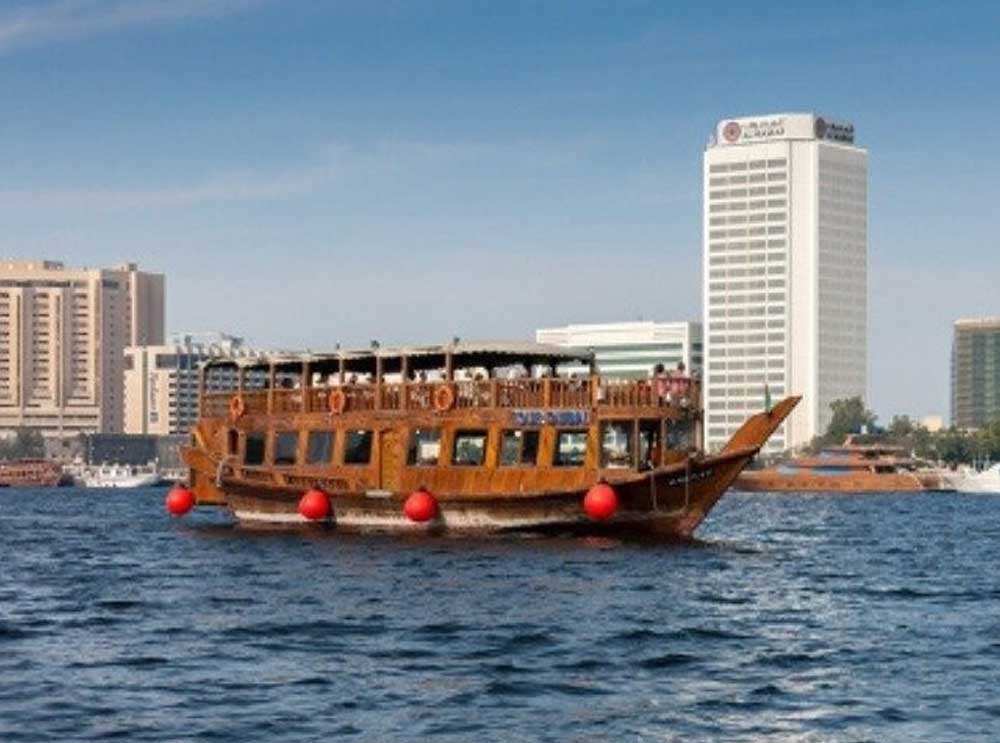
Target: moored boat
985, 481
120, 476
851, 467
31, 473
462, 437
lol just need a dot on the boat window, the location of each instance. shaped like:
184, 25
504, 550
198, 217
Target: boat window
233, 442
617, 446
470, 448
285, 445
358, 447
649, 444
571, 449
425, 447
253, 451
518, 448
320, 448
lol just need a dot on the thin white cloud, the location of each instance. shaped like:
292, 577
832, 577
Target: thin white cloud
384, 161
64, 19
244, 185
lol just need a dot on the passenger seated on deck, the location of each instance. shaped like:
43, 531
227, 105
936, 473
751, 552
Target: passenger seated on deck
482, 391
422, 394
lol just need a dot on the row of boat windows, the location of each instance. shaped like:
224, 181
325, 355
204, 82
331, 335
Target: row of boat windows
518, 447
624, 444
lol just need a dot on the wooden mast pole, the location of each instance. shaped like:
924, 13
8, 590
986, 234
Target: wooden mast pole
271, 380
202, 374
404, 381
306, 384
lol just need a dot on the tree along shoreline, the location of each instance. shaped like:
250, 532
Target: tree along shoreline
24, 444
951, 446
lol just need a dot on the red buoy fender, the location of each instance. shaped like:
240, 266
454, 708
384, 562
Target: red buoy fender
420, 506
601, 502
314, 505
179, 500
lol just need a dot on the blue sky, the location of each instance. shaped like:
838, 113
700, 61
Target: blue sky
309, 172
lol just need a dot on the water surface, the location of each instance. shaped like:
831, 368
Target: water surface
793, 618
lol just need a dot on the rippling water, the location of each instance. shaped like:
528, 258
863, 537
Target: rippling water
793, 618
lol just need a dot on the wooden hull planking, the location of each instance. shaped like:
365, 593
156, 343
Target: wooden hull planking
854, 482
669, 501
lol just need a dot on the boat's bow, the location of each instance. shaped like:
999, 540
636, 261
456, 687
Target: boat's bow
706, 479
755, 432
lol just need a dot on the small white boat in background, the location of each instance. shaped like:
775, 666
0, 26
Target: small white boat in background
120, 476
971, 480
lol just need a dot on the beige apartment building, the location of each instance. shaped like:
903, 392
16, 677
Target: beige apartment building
63, 333
161, 381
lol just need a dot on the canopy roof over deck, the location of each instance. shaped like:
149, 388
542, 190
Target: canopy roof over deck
462, 354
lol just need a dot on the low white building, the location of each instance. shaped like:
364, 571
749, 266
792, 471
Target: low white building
161, 382
630, 350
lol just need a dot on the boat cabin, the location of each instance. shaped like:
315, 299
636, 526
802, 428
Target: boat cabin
472, 418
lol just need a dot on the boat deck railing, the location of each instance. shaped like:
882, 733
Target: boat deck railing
555, 393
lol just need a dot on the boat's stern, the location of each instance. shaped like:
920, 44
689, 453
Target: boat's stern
203, 461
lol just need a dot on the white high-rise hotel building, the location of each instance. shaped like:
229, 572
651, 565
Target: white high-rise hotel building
785, 271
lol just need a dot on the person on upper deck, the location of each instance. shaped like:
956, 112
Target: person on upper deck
661, 383
680, 383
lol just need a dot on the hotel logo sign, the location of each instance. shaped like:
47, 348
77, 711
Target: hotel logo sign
834, 131
753, 130
792, 126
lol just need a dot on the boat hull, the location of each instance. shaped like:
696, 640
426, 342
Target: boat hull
670, 502
804, 482
131, 481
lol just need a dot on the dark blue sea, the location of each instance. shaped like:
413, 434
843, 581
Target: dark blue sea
792, 618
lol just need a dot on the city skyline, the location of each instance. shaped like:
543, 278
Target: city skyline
507, 170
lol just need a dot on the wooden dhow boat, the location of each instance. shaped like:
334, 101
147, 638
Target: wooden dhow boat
457, 438
848, 468
31, 473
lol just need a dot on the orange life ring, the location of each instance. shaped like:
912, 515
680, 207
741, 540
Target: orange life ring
237, 407
338, 401
444, 397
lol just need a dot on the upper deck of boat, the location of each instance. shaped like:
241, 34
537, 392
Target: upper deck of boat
477, 376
